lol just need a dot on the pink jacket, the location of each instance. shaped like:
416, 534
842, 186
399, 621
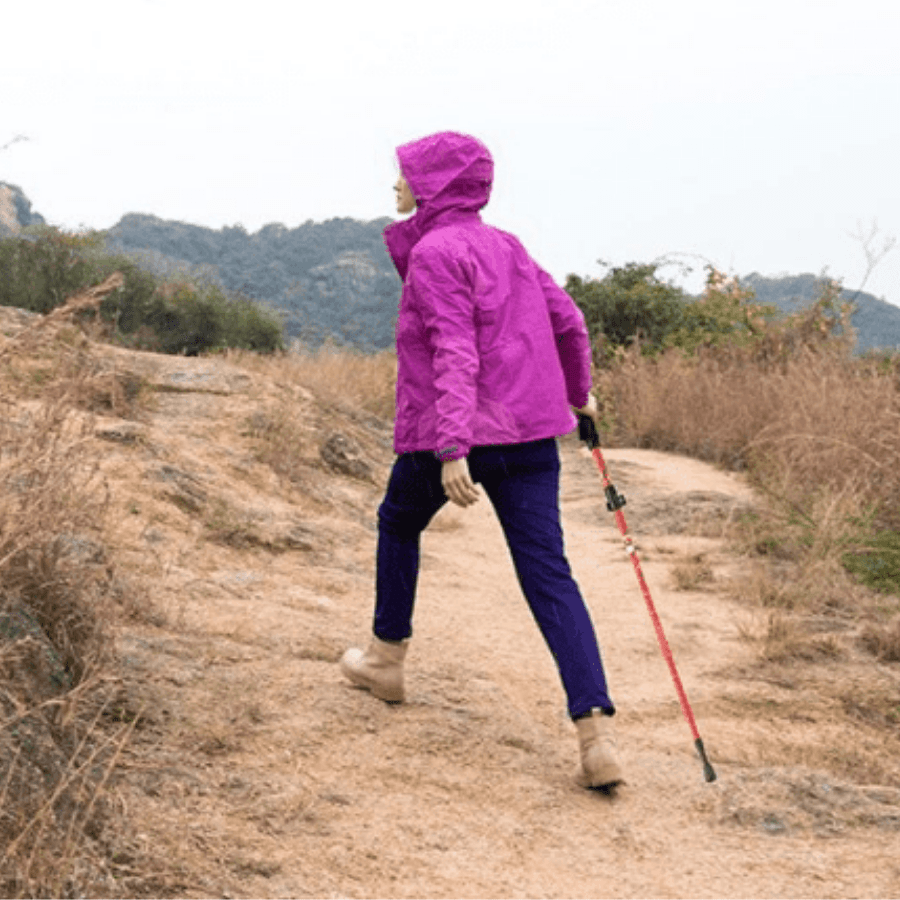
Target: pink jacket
489, 349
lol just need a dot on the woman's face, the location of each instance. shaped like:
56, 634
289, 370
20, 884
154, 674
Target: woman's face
405, 200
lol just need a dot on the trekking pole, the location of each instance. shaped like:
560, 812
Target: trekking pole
587, 432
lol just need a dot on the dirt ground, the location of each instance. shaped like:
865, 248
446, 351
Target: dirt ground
259, 772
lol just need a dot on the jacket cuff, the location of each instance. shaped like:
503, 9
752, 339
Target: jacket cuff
587, 398
451, 453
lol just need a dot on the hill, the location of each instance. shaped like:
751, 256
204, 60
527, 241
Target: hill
336, 278
239, 543
877, 322
330, 278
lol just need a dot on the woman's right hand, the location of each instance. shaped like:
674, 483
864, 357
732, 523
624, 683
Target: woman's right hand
590, 409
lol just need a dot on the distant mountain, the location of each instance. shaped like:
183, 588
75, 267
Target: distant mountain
877, 322
336, 277
15, 210
331, 278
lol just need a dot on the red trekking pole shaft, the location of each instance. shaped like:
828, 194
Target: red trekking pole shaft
587, 432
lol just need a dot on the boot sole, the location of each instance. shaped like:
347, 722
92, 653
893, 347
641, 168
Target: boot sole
605, 782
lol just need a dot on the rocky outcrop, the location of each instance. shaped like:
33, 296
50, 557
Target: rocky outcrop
350, 271
15, 210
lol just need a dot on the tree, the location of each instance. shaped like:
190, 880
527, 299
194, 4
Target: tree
629, 303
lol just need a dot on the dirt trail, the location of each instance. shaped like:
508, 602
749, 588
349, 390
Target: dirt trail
260, 772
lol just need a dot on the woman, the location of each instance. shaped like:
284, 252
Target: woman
490, 355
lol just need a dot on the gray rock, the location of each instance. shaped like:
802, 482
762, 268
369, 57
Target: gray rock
341, 454
182, 488
29, 659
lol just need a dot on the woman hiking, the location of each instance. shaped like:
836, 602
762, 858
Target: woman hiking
491, 355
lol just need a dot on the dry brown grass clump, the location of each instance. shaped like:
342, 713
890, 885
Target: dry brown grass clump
345, 378
333, 413
692, 573
817, 431
883, 641
818, 422
60, 736
51, 357
55, 750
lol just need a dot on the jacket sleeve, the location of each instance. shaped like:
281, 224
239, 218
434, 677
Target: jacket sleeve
572, 340
446, 304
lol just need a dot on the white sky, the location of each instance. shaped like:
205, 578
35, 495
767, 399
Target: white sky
759, 135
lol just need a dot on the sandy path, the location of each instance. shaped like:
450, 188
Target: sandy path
262, 773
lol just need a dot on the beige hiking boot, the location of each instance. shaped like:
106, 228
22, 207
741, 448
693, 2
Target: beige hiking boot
379, 669
599, 764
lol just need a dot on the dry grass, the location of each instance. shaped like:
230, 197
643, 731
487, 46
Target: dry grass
333, 414
346, 379
784, 639
819, 424
56, 746
882, 641
818, 434
283, 442
692, 573
60, 733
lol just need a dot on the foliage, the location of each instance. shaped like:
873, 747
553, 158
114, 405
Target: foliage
331, 279
187, 319
723, 314
628, 303
877, 562
876, 322
43, 267
335, 278
631, 305
784, 399
39, 271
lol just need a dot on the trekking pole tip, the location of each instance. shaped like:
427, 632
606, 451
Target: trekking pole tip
709, 773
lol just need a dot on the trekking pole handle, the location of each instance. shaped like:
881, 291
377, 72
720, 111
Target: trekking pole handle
587, 431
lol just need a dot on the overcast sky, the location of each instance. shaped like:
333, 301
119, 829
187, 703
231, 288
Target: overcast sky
760, 136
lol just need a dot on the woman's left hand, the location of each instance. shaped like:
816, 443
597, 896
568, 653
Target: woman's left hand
457, 482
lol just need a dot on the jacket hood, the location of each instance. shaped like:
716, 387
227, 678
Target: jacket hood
445, 171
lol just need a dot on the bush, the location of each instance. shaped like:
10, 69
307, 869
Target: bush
40, 269
628, 303
723, 315
784, 399
191, 320
631, 305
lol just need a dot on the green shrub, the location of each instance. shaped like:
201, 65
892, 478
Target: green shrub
877, 564
630, 304
723, 314
42, 268
627, 303
193, 320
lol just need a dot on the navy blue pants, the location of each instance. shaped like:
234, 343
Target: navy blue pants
522, 482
